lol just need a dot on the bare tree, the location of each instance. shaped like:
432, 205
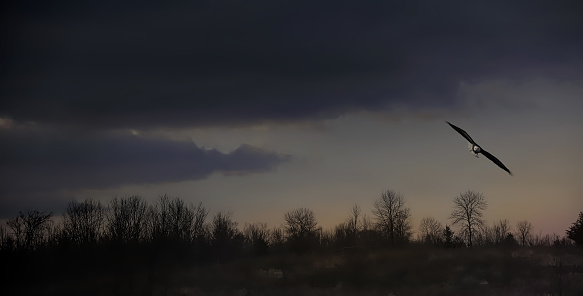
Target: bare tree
493, 235
342, 235
30, 229
404, 225
353, 226
300, 223
347, 233
501, 230
173, 219
524, 232
6, 241
468, 212
199, 228
541, 240
393, 218
127, 219
300, 226
368, 232
257, 237
431, 231
485, 236
366, 224
54, 233
276, 237
224, 229
83, 221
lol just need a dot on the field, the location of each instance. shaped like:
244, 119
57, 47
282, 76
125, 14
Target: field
415, 270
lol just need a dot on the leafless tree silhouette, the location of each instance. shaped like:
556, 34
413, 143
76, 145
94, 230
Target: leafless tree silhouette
300, 226
224, 229
468, 212
524, 232
127, 219
37, 255
5, 239
367, 225
393, 218
501, 230
300, 222
30, 229
347, 233
493, 235
276, 237
431, 231
83, 222
257, 237
353, 220
173, 219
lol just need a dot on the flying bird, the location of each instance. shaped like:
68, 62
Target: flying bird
475, 148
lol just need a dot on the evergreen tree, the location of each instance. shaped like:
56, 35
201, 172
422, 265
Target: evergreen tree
575, 232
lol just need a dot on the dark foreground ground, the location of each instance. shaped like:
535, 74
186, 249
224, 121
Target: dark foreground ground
412, 271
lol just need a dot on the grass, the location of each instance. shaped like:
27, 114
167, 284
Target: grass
411, 271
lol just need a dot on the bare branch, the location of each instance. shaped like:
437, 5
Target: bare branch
468, 213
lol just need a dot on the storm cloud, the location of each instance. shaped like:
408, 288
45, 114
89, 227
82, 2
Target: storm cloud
43, 163
143, 65
77, 76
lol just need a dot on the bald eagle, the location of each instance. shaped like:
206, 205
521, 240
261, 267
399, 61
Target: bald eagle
476, 149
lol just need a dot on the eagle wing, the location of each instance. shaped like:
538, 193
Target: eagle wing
495, 160
462, 132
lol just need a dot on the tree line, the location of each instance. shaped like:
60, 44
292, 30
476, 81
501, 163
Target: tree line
174, 226
129, 246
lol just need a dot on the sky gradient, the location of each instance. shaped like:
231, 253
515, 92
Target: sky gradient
260, 107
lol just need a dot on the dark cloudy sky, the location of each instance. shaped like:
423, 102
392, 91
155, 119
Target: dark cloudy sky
259, 107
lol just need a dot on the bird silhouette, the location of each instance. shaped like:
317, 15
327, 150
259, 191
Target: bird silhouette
475, 148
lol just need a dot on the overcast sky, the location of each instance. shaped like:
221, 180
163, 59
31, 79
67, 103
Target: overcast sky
260, 107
